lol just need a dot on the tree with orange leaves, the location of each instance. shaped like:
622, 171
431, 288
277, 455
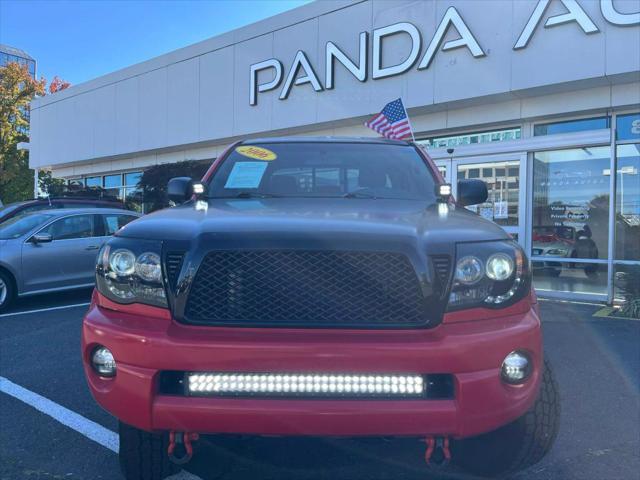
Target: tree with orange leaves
57, 84
17, 89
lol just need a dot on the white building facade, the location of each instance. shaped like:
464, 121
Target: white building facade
539, 98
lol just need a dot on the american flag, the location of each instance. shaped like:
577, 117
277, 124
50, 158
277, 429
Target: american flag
392, 122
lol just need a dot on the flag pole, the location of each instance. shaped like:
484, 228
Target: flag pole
409, 120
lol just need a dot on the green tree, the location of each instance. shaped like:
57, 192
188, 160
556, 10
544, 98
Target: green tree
49, 185
17, 90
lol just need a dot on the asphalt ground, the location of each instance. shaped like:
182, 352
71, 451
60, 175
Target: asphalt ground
596, 361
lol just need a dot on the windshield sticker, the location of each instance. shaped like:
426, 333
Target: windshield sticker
246, 175
258, 153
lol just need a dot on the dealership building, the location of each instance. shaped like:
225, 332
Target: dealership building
538, 98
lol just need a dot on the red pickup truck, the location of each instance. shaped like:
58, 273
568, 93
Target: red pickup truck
325, 287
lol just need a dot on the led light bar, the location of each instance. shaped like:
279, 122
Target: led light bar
304, 385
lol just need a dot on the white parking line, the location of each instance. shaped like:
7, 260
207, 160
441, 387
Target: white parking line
68, 418
25, 312
90, 429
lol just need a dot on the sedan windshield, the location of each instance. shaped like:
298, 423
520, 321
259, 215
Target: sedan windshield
321, 170
19, 225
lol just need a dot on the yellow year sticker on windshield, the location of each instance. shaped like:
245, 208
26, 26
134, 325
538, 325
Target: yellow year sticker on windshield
257, 153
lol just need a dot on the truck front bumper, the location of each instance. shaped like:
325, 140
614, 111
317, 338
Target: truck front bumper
148, 342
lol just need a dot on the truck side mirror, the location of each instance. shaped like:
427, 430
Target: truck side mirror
472, 192
180, 189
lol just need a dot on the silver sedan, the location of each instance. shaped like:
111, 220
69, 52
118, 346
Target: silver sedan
53, 250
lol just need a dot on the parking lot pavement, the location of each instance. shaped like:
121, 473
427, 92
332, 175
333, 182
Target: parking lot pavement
596, 362
50, 301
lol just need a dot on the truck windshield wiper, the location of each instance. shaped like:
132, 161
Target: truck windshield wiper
359, 194
249, 195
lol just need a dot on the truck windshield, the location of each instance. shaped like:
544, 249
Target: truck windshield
321, 170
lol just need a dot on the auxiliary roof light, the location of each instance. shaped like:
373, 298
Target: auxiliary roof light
444, 192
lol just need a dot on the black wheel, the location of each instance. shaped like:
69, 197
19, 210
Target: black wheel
7, 290
518, 445
143, 455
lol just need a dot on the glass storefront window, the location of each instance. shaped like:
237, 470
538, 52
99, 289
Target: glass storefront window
112, 181
112, 184
75, 183
472, 138
626, 282
131, 179
571, 203
504, 190
628, 202
571, 126
133, 199
590, 278
628, 127
93, 181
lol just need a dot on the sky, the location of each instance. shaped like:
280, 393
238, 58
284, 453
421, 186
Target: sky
82, 39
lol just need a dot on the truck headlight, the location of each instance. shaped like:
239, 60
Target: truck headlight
499, 267
489, 274
130, 271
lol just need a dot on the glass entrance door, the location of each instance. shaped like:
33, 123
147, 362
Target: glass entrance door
505, 204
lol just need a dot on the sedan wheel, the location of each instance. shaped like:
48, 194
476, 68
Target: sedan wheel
6, 291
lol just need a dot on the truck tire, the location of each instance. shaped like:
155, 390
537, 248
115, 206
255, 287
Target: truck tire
519, 444
143, 455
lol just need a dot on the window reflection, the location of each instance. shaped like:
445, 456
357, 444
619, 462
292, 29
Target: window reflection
571, 203
573, 277
503, 184
628, 202
628, 127
626, 281
94, 181
571, 126
473, 138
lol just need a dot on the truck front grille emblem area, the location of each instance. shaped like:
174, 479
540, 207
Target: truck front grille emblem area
301, 385
308, 288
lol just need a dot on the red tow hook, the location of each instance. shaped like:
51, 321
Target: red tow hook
183, 439
439, 446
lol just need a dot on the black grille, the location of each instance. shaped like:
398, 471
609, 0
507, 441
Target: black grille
173, 265
442, 266
307, 288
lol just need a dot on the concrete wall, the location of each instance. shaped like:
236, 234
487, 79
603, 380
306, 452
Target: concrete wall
197, 98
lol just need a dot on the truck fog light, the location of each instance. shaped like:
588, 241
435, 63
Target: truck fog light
103, 362
516, 368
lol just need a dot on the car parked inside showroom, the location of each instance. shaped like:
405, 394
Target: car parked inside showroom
53, 250
321, 287
563, 241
